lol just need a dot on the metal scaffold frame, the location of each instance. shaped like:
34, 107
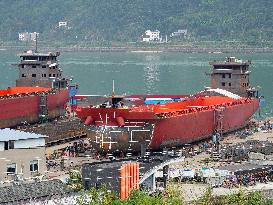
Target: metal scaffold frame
218, 122
43, 115
218, 119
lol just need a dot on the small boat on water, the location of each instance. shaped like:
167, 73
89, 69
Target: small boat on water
124, 123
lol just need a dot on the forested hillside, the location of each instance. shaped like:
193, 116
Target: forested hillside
126, 20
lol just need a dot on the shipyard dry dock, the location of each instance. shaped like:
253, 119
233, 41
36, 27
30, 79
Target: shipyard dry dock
58, 131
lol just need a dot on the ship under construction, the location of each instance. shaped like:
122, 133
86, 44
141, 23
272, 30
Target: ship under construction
125, 123
40, 93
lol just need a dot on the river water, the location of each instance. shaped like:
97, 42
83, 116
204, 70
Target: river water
139, 73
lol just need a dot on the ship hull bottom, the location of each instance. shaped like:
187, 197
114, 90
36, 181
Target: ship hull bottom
106, 139
120, 139
30, 119
170, 131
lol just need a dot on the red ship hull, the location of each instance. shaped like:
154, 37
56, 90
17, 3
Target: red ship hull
158, 126
22, 104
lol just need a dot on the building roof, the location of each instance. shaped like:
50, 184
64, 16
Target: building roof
243, 167
33, 53
36, 190
11, 134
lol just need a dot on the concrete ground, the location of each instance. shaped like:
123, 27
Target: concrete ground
191, 192
70, 163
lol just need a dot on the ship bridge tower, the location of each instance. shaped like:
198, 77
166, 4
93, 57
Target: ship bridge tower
40, 69
231, 75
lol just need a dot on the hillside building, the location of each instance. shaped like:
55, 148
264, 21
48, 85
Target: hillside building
151, 36
179, 33
26, 36
63, 25
22, 155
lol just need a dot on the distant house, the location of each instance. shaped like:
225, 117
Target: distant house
22, 155
26, 36
180, 33
22, 36
63, 25
151, 36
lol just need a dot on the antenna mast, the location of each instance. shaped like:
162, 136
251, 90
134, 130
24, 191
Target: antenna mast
36, 39
113, 93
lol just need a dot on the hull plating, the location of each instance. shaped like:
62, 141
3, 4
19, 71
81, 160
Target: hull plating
115, 139
164, 130
15, 111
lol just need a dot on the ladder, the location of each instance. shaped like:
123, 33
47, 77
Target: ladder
218, 119
218, 123
43, 115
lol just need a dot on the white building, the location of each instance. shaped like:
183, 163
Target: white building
26, 36
22, 36
22, 154
180, 32
62, 24
151, 36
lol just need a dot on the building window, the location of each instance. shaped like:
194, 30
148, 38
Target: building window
229, 84
34, 66
6, 145
23, 66
9, 145
43, 66
33, 75
34, 166
11, 169
24, 75
223, 84
229, 75
49, 75
53, 75
223, 76
44, 75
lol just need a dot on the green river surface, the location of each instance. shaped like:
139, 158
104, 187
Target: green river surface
140, 73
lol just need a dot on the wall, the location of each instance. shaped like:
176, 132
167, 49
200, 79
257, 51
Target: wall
22, 158
29, 143
2, 147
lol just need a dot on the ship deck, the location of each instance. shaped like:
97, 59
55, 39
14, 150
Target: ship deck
22, 90
197, 103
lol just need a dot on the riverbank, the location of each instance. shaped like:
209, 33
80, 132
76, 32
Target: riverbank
145, 49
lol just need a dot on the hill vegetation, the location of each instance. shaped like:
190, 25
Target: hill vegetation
126, 20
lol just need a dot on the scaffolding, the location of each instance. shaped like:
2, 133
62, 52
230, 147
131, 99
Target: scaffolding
218, 120
218, 124
43, 115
